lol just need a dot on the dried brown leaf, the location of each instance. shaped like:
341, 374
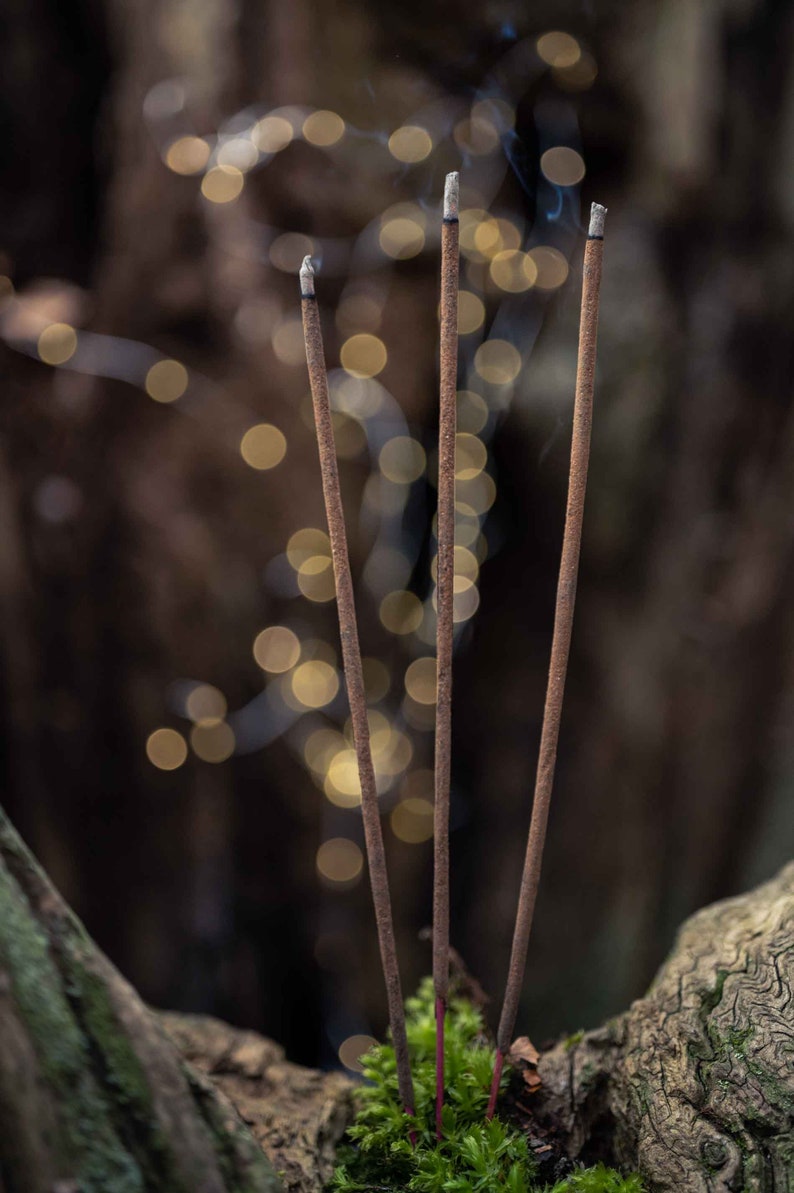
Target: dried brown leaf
523, 1049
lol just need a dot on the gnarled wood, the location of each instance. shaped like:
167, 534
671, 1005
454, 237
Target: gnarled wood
297, 1115
694, 1084
93, 1095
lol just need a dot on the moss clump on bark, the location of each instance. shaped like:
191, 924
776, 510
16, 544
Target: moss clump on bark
473, 1154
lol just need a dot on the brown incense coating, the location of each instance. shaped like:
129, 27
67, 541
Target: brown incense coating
354, 679
563, 624
445, 583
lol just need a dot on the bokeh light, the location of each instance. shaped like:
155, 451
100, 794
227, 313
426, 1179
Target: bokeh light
206, 705
471, 313
551, 265
472, 411
353, 1049
213, 742
350, 438
320, 748
475, 496
222, 184
471, 455
316, 579
513, 271
263, 446
402, 236
239, 152
421, 680
57, 343
166, 749
558, 49
166, 381
412, 820
305, 543
363, 355
402, 460
342, 783
340, 861
187, 155
482, 235
497, 362
465, 564
579, 76
562, 166
288, 250
287, 341
276, 649
314, 683
465, 599
272, 133
476, 135
411, 143
401, 612
323, 128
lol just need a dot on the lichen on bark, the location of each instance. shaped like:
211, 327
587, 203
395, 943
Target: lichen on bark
694, 1084
93, 1095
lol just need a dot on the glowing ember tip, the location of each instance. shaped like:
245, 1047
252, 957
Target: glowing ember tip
307, 277
452, 196
597, 217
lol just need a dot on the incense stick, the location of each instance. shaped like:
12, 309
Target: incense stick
445, 623
354, 679
561, 639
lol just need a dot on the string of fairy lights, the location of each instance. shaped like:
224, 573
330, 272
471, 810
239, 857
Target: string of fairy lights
506, 268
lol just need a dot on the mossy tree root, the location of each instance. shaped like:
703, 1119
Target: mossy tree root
694, 1084
93, 1095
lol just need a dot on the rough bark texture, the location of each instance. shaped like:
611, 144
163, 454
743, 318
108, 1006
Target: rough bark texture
93, 1097
694, 1084
297, 1115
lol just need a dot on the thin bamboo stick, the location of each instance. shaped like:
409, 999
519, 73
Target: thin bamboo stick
354, 679
561, 640
445, 624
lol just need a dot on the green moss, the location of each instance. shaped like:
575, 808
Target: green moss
598, 1180
473, 1155
573, 1040
109, 1131
588, 1077
243, 1164
122, 1073
88, 1138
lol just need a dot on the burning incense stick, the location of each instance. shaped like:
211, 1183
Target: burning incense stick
445, 626
561, 640
354, 679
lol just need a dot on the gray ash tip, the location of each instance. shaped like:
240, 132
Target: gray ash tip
307, 276
597, 218
452, 196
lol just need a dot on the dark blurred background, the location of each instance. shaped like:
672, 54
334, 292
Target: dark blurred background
173, 730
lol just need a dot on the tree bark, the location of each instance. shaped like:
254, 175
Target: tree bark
694, 1085
297, 1115
93, 1097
